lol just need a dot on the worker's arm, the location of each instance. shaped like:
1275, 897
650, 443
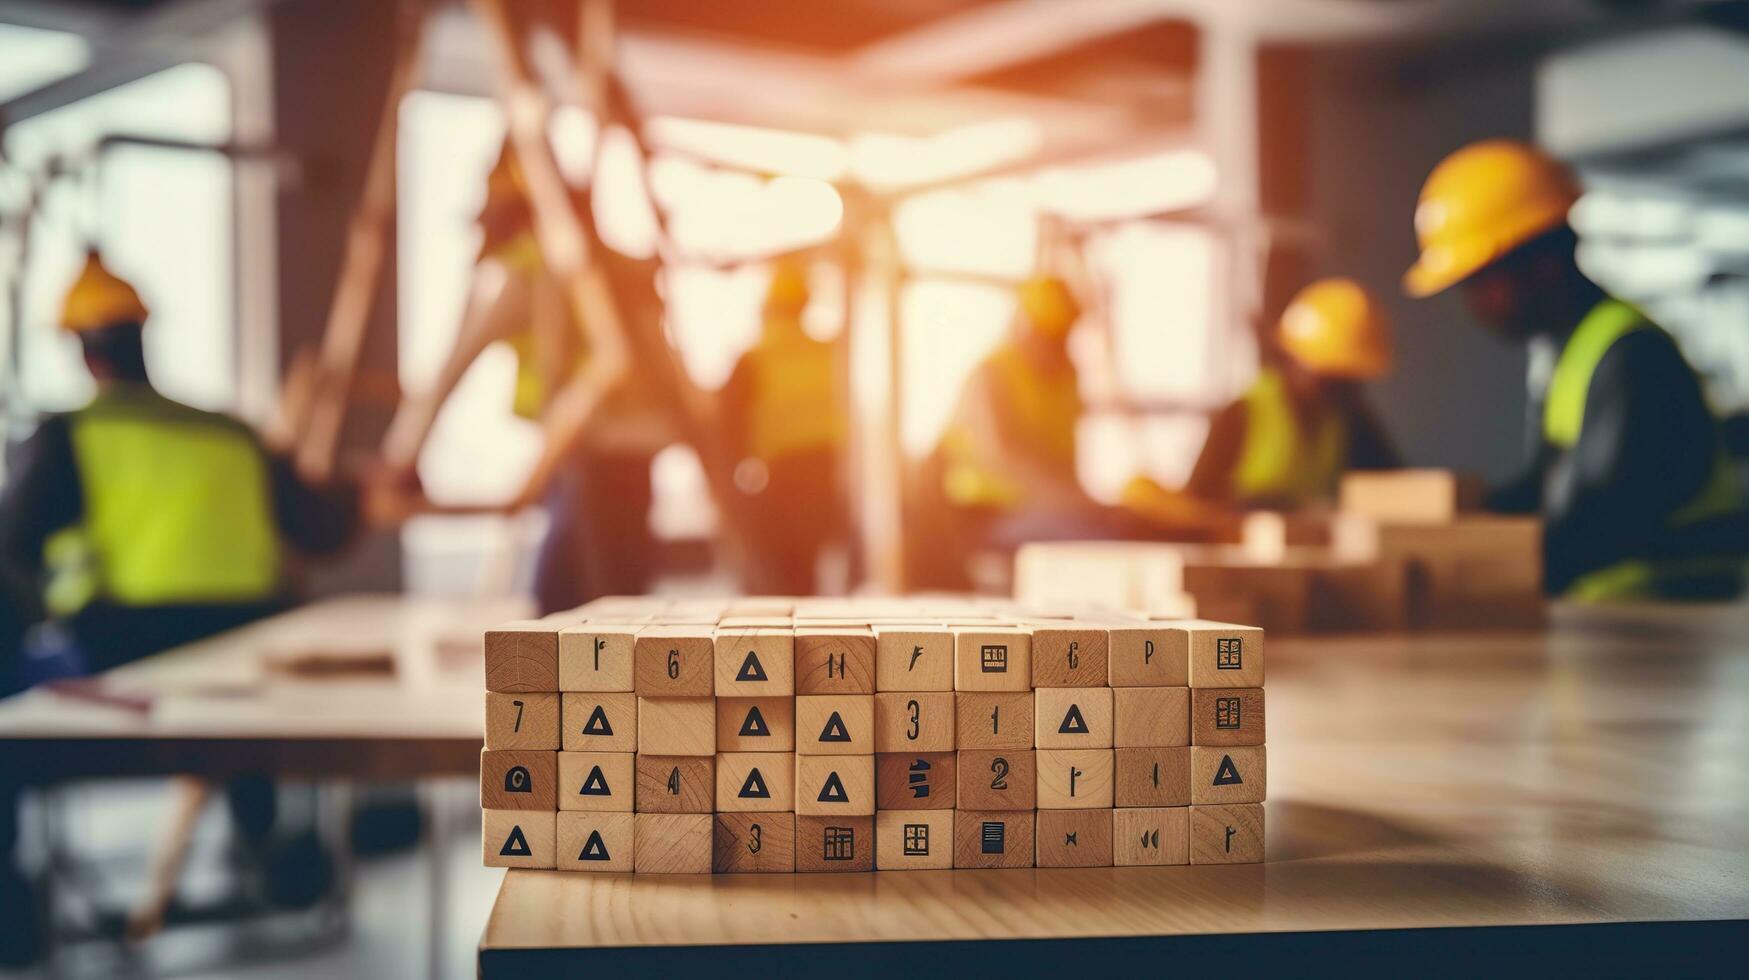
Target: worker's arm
1212, 477
1047, 486
1646, 447
41, 496
314, 520
1369, 445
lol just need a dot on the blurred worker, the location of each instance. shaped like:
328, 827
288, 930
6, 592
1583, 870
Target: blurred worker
1008, 454
783, 420
1305, 420
598, 540
1629, 472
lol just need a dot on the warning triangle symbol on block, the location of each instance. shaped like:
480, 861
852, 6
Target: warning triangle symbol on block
595, 785
754, 788
751, 668
594, 849
834, 730
833, 791
598, 723
1227, 774
516, 845
754, 723
1073, 723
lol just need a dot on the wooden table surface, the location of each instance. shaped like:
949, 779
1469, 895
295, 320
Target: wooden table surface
1592, 775
214, 707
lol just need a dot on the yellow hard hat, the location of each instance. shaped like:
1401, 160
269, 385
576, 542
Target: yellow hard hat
98, 299
788, 292
1335, 328
1048, 305
1480, 203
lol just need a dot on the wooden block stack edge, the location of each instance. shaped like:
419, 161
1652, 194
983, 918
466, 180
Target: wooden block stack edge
773, 735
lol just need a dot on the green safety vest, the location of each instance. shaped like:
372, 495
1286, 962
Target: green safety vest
1564, 419
1284, 460
178, 508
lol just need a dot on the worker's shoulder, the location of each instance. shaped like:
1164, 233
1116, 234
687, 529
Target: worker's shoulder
136, 403
1647, 360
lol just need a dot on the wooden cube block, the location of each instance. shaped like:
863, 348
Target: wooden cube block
836, 843
1152, 776
518, 838
1224, 655
914, 722
996, 779
1423, 496
522, 657
915, 780
1227, 774
756, 782
600, 722
835, 785
1230, 834
672, 843
674, 662
913, 658
754, 843
997, 658
518, 779
913, 840
755, 662
1072, 718
992, 838
597, 781
1073, 839
1070, 656
677, 726
1150, 716
835, 660
1074, 779
1151, 836
1148, 655
835, 724
993, 720
1226, 716
596, 657
756, 724
595, 841
522, 721
676, 784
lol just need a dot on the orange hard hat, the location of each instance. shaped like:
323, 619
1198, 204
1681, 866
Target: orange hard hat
1479, 204
1336, 328
99, 299
1048, 305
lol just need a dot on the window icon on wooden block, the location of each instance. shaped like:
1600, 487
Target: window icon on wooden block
600, 722
595, 841
598, 781
992, 839
754, 843
1158, 776
518, 779
1227, 716
840, 724
756, 724
914, 722
835, 843
1074, 779
992, 660
1072, 718
1230, 834
676, 784
913, 841
1073, 839
517, 838
914, 781
672, 843
749, 782
522, 721
1227, 774
1151, 836
1224, 655
834, 784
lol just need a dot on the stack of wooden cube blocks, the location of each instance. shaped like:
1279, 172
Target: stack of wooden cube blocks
780, 735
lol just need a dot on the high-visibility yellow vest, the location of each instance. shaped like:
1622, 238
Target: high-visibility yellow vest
1036, 409
178, 508
1286, 459
795, 397
1563, 422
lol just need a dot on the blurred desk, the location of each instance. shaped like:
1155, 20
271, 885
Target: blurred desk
215, 708
1429, 797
